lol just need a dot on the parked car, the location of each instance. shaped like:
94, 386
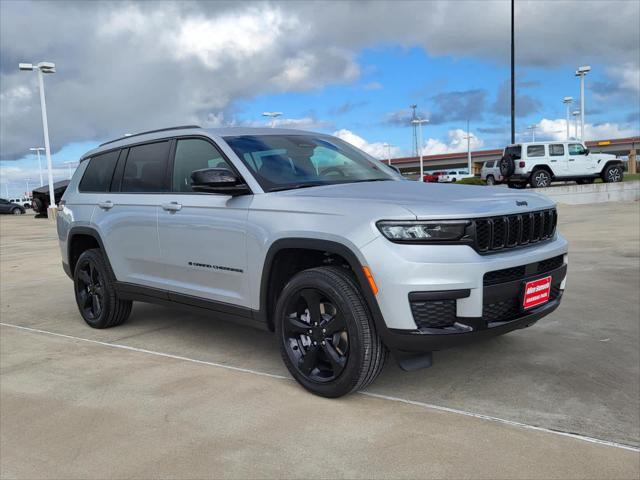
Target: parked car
24, 201
7, 206
541, 163
305, 235
490, 173
453, 176
432, 177
40, 197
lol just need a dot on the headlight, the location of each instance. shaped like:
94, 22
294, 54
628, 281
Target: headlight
425, 231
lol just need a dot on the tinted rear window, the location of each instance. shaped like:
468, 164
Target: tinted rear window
514, 152
97, 176
146, 167
535, 151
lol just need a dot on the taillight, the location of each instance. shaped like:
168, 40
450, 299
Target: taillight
521, 164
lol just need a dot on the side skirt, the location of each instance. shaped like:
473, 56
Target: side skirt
222, 311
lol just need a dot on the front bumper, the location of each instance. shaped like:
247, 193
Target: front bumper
453, 278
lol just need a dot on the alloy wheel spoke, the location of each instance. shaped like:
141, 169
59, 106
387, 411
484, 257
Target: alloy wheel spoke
84, 277
312, 298
309, 360
294, 325
335, 324
85, 298
95, 304
337, 361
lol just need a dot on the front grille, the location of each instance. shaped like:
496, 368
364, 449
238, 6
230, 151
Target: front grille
434, 313
497, 233
521, 271
509, 309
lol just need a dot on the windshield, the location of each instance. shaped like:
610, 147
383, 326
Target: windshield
282, 162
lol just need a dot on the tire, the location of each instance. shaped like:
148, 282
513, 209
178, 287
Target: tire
490, 180
517, 185
507, 166
612, 174
17, 211
96, 297
540, 179
453, 180
328, 364
37, 205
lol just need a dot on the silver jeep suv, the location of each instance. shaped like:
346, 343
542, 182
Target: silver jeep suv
303, 234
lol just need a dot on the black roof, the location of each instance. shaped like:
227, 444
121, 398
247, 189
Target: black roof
56, 186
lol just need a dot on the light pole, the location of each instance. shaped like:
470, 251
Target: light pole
388, 147
68, 164
42, 68
468, 138
575, 114
273, 116
533, 131
581, 72
37, 150
419, 122
568, 101
27, 180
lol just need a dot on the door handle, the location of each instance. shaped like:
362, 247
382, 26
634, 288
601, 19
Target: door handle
171, 207
572, 159
106, 205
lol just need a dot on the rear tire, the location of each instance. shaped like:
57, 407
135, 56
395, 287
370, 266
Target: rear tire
612, 174
96, 297
507, 166
17, 211
540, 179
490, 180
327, 337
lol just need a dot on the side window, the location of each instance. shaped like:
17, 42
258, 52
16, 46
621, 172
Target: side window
535, 151
193, 154
146, 168
556, 150
489, 165
97, 176
576, 149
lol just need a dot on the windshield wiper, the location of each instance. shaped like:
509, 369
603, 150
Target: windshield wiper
296, 186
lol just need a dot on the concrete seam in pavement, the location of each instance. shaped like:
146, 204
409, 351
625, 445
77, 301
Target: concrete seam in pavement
369, 394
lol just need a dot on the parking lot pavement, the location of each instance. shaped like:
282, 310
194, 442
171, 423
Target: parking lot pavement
69, 408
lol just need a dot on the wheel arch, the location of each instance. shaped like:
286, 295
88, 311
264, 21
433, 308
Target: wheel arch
543, 166
81, 239
270, 285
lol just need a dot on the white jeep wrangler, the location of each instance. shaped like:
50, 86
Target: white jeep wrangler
540, 163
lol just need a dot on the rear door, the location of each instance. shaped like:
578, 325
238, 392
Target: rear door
203, 235
127, 215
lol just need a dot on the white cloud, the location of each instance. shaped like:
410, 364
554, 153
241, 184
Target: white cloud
549, 129
627, 76
376, 149
457, 142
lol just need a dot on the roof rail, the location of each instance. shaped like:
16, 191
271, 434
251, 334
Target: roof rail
179, 127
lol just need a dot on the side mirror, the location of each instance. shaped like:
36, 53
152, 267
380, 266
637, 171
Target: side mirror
586, 151
217, 180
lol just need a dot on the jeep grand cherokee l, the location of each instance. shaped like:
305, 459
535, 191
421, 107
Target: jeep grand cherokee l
304, 235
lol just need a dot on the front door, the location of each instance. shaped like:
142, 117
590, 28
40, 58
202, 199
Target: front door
558, 159
579, 162
203, 235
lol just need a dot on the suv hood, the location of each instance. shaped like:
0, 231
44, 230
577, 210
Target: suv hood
428, 200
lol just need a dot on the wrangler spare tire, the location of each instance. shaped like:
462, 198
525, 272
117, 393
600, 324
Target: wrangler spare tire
507, 165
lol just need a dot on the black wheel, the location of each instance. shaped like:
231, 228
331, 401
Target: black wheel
37, 205
612, 174
17, 211
507, 166
327, 338
96, 297
490, 180
540, 179
518, 185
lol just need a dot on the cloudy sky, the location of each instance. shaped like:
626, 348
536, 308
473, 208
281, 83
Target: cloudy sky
349, 68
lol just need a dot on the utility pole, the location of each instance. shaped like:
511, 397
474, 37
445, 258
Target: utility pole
388, 146
469, 163
513, 77
581, 72
418, 123
568, 101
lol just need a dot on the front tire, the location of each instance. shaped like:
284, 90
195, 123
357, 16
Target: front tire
17, 211
328, 339
95, 292
490, 180
540, 179
612, 174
